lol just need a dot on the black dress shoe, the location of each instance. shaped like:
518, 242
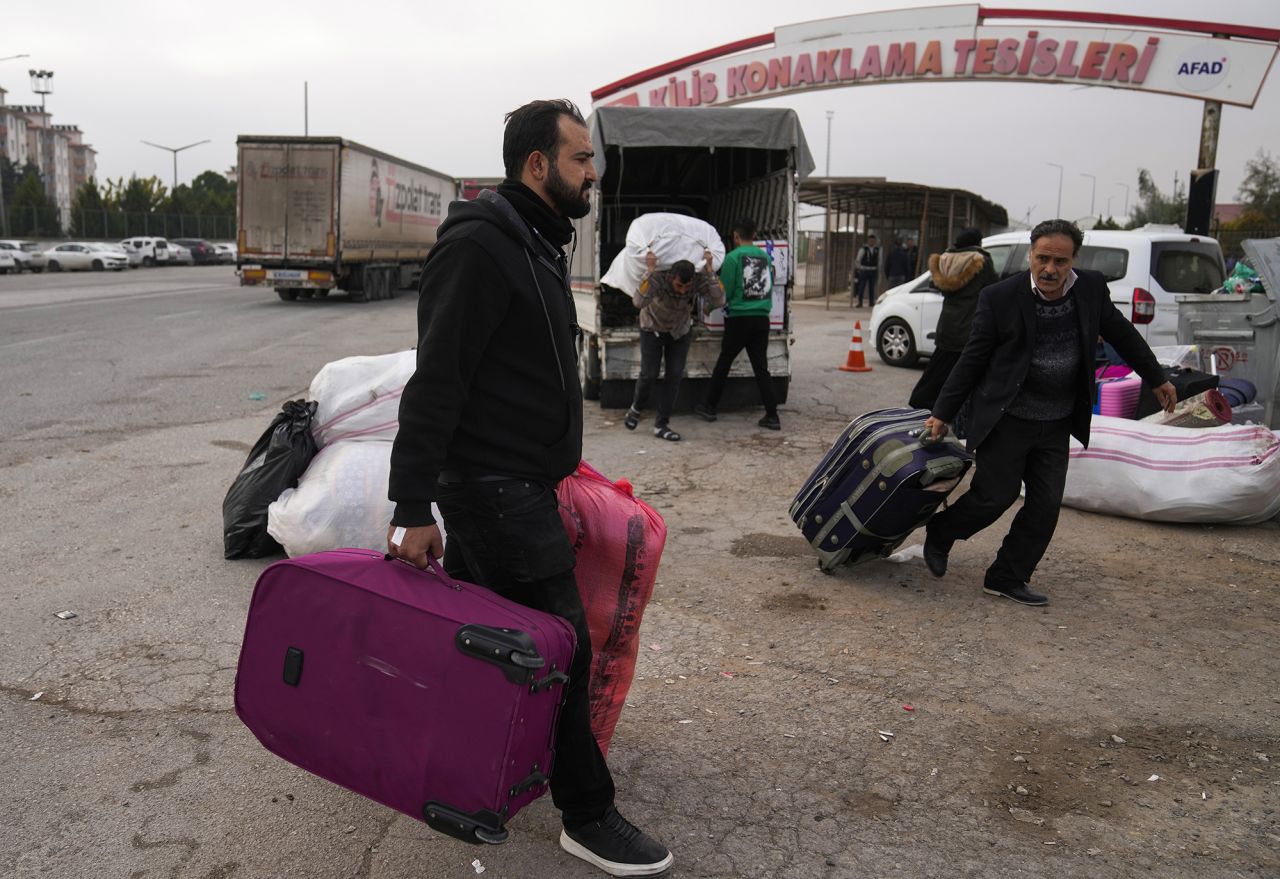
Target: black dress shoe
935, 557
1020, 594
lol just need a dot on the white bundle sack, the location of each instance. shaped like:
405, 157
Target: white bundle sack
359, 397
341, 501
671, 237
1228, 474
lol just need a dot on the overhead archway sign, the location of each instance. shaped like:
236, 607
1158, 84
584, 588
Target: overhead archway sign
1202, 60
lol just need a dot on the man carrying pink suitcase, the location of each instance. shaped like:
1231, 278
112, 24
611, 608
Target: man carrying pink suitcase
491, 421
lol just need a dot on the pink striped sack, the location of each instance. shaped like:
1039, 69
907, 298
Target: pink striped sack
1228, 474
358, 398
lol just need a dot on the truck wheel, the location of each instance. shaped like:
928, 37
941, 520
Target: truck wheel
358, 296
288, 294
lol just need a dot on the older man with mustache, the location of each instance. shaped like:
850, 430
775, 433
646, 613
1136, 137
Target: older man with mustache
1028, 373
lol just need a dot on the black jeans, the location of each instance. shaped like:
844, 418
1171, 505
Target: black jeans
750, 332
1016, 451
654, 348
865, 281
507, 536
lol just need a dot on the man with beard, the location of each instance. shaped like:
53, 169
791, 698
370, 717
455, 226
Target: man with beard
491, 421
1027, 369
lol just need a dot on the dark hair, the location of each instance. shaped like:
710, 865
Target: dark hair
1059, 227
969, 237
534, 128
745, 227
683, 270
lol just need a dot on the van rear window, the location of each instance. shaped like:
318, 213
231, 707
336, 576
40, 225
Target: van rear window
1187, 266
1113, 262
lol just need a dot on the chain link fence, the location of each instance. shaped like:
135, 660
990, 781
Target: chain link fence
115, 225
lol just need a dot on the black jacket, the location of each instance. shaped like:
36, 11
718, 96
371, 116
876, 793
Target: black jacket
996, 358
496, 388
960, 273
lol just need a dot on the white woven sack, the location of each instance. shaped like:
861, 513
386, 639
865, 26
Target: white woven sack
1228, 474
359, 397
671, 237
341, 501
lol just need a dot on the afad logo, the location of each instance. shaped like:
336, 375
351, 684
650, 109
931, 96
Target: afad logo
1202, 68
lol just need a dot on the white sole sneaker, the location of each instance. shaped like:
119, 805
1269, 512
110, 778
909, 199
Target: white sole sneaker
613, 868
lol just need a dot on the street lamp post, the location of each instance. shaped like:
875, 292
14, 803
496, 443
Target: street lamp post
175, 151
830, 113
1126, 198
1109, 214
1059, 167
1093, 190
42, 85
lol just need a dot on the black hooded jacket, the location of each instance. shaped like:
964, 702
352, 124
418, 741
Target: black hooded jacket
496, 387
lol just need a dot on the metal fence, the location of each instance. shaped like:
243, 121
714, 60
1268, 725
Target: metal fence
114, 225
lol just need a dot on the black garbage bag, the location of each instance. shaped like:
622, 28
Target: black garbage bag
279, 457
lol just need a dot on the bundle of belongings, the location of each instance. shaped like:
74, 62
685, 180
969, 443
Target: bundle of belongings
671, 238
328, 462
1207, 461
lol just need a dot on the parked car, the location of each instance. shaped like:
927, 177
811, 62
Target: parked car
150, 251
131, 260
203, 252
226, 252
8, 263
36, 252
1145, 268
79, 255
179, 255
21, 258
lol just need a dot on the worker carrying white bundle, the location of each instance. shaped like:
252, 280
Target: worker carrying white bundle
671, 237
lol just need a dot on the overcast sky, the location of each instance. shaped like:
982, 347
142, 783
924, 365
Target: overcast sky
430, 82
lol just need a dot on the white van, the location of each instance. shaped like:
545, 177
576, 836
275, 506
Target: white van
1144, 269
152, 251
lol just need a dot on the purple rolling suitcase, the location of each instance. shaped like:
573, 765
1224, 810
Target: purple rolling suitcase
434, 697
876, 485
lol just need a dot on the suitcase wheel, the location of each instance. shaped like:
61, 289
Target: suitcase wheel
490, 837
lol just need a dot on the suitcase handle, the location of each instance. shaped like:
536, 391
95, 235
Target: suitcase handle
925, 437
435, 567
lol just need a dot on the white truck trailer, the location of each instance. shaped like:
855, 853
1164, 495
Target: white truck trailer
317, 214
718, 164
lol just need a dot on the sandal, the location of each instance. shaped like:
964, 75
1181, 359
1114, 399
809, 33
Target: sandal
666, 433
631, 419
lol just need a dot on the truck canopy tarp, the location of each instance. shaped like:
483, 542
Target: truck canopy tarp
749, 127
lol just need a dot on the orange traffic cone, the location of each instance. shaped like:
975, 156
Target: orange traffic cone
856, 362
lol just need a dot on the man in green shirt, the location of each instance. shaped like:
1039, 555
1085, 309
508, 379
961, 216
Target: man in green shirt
747, 275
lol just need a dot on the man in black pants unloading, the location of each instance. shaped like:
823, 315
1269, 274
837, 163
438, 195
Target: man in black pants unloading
491, 421
1028, 369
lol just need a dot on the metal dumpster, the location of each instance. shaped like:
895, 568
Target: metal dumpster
1238, 334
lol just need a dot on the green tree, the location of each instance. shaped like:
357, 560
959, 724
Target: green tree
1156, 207
1260, 191
143, 195
31, 212
1108, 223
88, 218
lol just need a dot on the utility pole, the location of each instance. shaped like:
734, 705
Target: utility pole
306, 109
1059, 167
830, 113
175, 151
42, 85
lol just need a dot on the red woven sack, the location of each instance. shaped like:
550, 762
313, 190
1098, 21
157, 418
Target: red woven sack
618, 540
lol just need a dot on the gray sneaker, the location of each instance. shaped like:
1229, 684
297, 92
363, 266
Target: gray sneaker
617, 846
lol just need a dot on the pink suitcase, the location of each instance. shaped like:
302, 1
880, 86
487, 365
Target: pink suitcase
435, 697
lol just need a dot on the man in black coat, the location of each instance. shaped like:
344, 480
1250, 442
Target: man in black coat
1028, 370
491, 421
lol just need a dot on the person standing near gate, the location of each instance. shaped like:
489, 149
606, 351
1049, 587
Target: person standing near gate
667, 300
896, 269
866, 271
747, 275
1027, 367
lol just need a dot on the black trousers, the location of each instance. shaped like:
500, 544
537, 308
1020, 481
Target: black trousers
865, 281
752, 333
1015, 452
507, 536
654, 349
